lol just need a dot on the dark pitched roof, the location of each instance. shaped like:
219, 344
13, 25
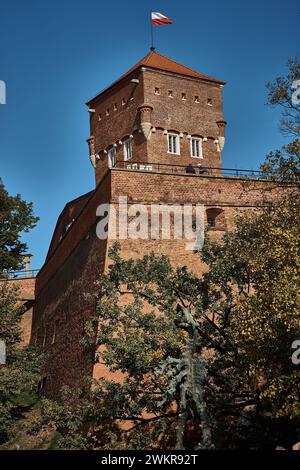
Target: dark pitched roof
70, 212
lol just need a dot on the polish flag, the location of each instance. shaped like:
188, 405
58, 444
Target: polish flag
158, 18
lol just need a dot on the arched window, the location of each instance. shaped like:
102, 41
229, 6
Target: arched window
216, 218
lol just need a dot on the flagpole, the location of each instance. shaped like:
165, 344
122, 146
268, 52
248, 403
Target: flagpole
152, 48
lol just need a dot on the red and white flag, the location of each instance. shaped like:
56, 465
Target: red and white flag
158, 18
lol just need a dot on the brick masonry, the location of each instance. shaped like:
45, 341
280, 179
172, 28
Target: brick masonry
76, 256
25, 295
61, 308
185, 105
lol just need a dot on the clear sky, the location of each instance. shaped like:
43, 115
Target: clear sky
55, 55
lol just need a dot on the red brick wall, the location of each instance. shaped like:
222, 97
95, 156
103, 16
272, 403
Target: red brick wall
61, 309
26, 288
209, 190
188, 117
80, 257
184, 116
75, 234
230, 195
69, 213
120, 123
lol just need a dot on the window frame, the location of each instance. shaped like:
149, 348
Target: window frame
173, 134
199, 140
127, 155
109, 159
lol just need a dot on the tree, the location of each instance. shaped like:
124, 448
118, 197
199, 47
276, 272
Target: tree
205, 362
20, 373
260, 264
284, 92
201, 355
68, 417
16, 217
284, 164
153, 339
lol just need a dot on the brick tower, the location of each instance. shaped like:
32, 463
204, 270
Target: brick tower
159, 112
145, 130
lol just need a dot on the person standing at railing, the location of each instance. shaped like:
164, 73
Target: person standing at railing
190, 169
203, 170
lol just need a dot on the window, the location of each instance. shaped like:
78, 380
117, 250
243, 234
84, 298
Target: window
183, 96
209, 101
112, 157
99, 117
216, 218
196, 147
127, 150
170, 94
173, 144
107, 112
123, 101
115, 107
157, 91
197, 99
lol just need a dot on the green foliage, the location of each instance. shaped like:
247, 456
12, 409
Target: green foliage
260, 264
284, 165
214, 351
202, 362
280, 93
16, 217
20, 374
66, 417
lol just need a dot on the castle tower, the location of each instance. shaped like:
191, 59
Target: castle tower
158, 113
145, 129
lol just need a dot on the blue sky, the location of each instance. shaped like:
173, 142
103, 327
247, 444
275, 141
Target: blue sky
55, 55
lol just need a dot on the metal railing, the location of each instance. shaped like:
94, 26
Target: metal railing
188, 169
20, 274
